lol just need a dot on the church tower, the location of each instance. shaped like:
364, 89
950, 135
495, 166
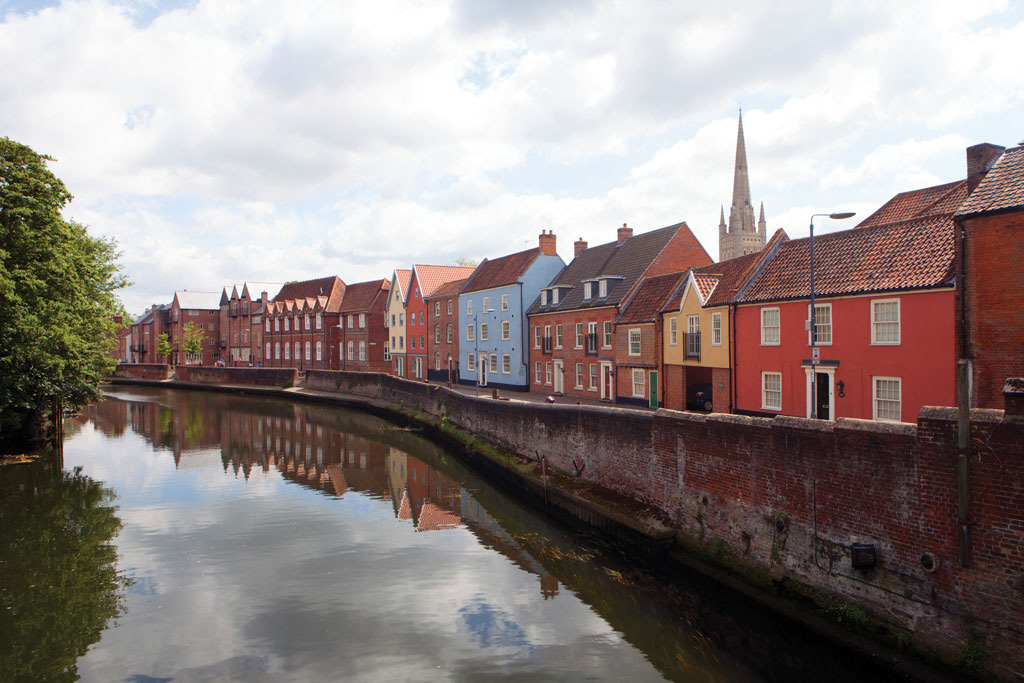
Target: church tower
741, 236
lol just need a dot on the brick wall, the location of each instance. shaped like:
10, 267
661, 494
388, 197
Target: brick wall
788, 496
270, 377
143, 371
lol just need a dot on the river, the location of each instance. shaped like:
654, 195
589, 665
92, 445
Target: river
198, 536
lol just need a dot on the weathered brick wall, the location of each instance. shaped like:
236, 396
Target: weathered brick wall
143, 371
789, 496
269, 377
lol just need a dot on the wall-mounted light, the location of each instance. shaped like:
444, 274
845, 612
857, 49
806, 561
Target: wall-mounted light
840, 386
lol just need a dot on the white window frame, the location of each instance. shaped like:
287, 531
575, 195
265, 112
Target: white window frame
506, 330
875, 323
538, 371
504, 302
277, 350
287, 351
602, 288
673, 331
471, 362
286, 323
716, 329
579, 335
309, 350
483, 331
351, 350
449, 306
492, 364
587, 290
319, 321
506, 364
319, 350
777, 327
268, 350
362, 350
448, 333
554, 296
765, 405
635, 341
266, 327
639, 385
437, 309
595, 377
543, 297
875, 379
559, 336
548, 372
437, 333
606, 342
579, 375
362, 320
485, 306
537, 331
470, 332
822, 327
469, 307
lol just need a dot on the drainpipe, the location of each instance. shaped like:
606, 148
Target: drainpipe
963, 403
733, 375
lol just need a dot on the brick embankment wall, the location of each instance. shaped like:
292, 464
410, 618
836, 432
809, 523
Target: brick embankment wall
260, 377
142, 371
788, 496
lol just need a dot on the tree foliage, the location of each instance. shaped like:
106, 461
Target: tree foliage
57, 295
466, 261
163, 345
192, 339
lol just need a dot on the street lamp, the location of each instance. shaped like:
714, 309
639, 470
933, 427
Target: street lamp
813, 322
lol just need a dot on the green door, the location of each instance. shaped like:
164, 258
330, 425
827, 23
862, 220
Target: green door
654, 389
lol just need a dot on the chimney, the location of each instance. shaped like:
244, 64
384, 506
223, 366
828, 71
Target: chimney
263, 296
625, 233
980, 158
579, 246
547, 243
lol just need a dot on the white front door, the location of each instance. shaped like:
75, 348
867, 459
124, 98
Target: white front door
607, 382
482, 365
559, 378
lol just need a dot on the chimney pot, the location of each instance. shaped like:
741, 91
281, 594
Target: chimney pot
547, 243
625, 232
981, 158
578, 247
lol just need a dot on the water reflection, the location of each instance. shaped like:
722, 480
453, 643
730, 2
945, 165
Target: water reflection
277, 541
59, 588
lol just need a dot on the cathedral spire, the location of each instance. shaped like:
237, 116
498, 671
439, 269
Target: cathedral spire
743, 235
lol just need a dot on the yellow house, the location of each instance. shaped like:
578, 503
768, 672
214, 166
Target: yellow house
696, 324
395, 320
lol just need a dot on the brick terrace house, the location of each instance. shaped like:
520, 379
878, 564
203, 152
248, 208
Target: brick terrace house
362, 333
202, 309
638, 343
696, 331
297, 322
991, 314
423, 282
492, 326
573, 320
145, 331
396, 320
240, 333
884, 317
443, 332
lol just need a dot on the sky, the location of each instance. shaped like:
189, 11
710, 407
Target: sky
219, 141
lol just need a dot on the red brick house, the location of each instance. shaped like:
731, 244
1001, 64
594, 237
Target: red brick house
202, 310
990, 315
297, 323
423, 282
443, 332
638, 343
572, 323
884, 318
240, 322
145, 333
362, 334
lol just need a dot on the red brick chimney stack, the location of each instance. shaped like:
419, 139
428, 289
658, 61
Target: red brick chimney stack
625, 232
980, 158
547, 243
578, 246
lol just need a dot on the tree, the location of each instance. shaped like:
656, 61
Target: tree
465, 261
163, 345
193, 338
57, 298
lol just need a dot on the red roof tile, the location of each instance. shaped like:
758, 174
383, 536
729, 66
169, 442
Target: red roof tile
402, 276
501, 271
432, 277
648, 299
330, 287
449, 288
915, 254
1001, 189
360, 295
930, 201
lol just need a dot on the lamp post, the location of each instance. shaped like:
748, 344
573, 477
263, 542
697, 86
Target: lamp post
814, 318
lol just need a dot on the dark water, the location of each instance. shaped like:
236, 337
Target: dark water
226, 538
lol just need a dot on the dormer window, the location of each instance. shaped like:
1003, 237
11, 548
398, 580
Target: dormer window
543, 297
587, 291
554, 295
602, 288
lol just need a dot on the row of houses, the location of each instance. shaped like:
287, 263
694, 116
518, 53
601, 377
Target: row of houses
649, 319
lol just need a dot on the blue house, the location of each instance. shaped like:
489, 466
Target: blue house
492, 315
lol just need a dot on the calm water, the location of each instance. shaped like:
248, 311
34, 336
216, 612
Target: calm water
225, 538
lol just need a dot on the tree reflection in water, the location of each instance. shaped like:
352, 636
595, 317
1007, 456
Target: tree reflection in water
59, 586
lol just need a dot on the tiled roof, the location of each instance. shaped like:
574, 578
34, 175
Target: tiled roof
623, 264
915, 254
201, 301
706, 283
360, 296
449, 288
501, 271
650, 296
402, 277
1001, 189
930, 201
432, 277
330, 287
434, 518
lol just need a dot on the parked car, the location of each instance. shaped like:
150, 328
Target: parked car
698, 397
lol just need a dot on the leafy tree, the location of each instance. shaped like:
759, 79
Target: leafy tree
163, 345
193, 337
57, 298
465, 261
